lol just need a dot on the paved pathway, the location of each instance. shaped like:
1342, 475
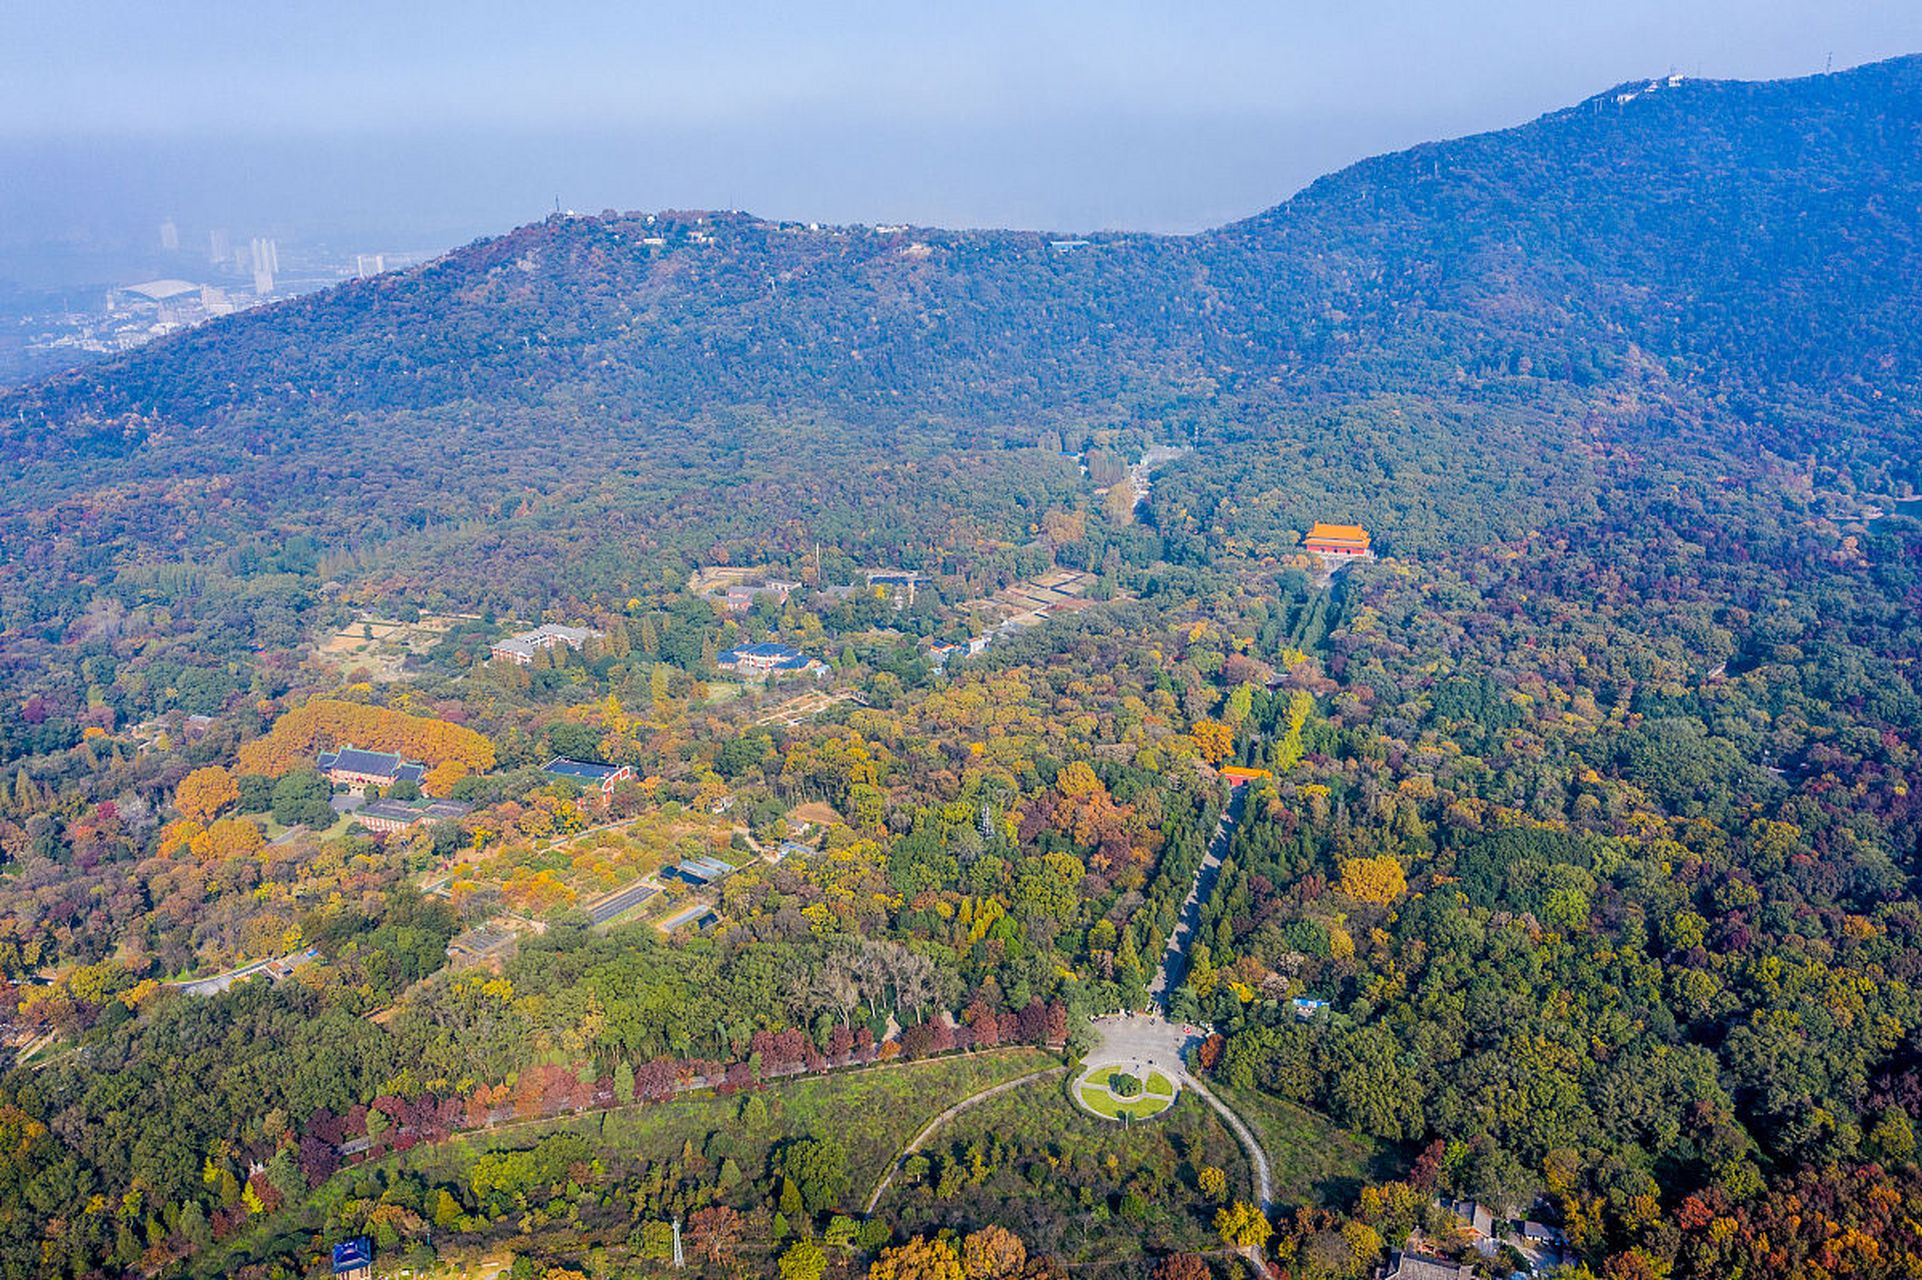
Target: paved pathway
928, 1130
1264, 1175
1137, 1040
214, 984
1174, 959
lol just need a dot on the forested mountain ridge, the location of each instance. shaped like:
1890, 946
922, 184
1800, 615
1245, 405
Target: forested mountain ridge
1757, 235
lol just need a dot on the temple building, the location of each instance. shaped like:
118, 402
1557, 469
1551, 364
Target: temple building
1336, 540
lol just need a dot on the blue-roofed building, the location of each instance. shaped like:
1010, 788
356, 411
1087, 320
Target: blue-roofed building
704, 870
766, 659
592, 775
357, 770
354, 1259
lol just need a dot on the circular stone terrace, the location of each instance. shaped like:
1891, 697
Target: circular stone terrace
1143, 1046
1097, 1091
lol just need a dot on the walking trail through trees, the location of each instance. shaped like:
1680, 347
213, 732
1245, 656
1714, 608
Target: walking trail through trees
928, 1130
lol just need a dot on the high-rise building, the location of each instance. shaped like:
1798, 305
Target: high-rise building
370, 264
170, 236
264, 255
219, 250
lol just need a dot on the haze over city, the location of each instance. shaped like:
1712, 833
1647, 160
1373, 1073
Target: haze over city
423, 125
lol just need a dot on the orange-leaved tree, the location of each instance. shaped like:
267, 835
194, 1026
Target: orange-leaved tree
440, 779
918, 1259
1217, 740
203, 793
992, 1253
328, 722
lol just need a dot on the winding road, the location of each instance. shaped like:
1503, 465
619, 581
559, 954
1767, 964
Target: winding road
214, 984
1141, 1041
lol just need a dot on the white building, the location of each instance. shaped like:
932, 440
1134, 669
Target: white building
522, 648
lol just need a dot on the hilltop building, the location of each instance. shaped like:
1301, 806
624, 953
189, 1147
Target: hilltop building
357, 770
522, 648
1336, 540
1475, 1215
354, 1260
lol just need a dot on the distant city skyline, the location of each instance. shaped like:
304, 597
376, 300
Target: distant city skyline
377, 129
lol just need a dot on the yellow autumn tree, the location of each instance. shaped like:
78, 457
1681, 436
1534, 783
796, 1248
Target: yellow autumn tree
180, 834
1217, 740
440, 779
1378, 880
1078, 780
327, 722
231, 838
918, 1259
203, 793
1243, 1226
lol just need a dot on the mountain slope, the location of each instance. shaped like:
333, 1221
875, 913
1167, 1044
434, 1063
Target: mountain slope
1693, 218
1744, 254
1764, 236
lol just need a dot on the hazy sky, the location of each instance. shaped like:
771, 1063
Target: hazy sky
429, 121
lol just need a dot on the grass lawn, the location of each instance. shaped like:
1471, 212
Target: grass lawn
872, 1113
1315, 1161
1106, 1198
1095, 1095
272, 830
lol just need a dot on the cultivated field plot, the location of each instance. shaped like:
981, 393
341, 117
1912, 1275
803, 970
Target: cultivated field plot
381, 646
804, 706
1036, 600
719, 576
598, 868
